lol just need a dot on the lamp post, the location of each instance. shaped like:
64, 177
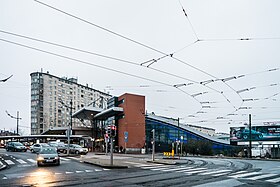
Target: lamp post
17, 118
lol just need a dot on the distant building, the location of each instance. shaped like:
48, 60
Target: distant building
51, 98
7, 133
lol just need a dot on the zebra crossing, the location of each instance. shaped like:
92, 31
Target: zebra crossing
20, 162
215, 172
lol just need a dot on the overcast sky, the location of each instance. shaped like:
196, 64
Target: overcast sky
212, 66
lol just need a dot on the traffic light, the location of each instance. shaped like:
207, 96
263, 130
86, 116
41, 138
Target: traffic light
109, 131
113, 131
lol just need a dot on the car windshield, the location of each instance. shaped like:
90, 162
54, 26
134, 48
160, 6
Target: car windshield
18, 144
48, 151
77, 146
45, 145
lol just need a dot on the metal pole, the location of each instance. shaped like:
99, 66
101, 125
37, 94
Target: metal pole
154, 143
106, 147
68, 137
71, 103
177, 147
17, 120
111, 156
250, 136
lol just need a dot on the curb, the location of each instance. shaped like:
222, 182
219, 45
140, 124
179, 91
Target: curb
162, 162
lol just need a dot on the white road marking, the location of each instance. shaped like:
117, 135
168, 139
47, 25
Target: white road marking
65, 159
193, 172
215, 172
58, 173
192, 169
32, 160
98, 170
9, 162
262, 176
274, 180
69, 172
88, 171
221, 174
245, 174
21, 161
79, 171
175, 169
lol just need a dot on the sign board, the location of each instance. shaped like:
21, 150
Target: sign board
125, 136
259, 133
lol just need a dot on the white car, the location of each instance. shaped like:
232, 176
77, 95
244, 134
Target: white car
35, 148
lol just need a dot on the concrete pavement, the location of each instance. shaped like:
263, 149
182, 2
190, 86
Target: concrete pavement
119, 160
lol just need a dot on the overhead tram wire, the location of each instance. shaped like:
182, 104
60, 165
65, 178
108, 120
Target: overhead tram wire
83, 62
91, 64
122, 36
107, 57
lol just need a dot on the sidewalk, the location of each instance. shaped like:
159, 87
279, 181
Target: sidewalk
119, 160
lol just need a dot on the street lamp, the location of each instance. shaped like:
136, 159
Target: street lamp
17, 118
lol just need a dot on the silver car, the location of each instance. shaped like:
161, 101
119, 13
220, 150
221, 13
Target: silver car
76, 149
35, 148
48, 156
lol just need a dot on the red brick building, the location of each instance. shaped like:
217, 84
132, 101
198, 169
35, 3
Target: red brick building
132, 122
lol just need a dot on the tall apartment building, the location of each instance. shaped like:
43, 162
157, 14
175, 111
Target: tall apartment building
51, 98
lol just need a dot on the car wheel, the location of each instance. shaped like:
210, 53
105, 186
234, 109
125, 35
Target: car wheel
65, 151
245, 137
32, 151
38, 164
77, 152
58, 163
7, 149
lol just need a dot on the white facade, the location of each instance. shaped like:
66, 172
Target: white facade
51, 98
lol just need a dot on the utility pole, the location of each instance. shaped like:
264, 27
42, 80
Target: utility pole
250, 136
154, 145
178, 140
17, 118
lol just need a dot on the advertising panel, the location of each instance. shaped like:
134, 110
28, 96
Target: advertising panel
259, 133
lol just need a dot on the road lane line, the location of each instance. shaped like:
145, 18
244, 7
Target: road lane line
193, 169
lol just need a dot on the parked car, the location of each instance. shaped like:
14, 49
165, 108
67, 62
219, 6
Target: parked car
35, 148
244, 134
76, 149
15, 146
48, 156
60, 146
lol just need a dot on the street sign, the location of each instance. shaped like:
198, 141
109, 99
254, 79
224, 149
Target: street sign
125, 136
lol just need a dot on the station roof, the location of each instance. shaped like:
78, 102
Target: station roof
90, 113
108, 113
87, 112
